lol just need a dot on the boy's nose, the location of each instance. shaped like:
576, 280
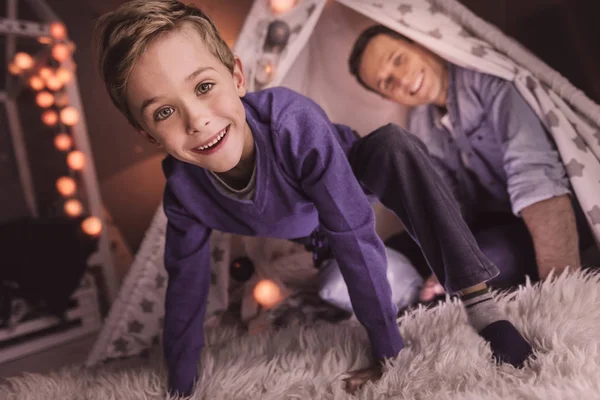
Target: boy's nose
197, 123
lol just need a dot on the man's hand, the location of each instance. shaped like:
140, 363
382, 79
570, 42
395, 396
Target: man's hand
358, 378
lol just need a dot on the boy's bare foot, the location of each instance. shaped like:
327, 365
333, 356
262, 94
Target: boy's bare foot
431, 289
359, 377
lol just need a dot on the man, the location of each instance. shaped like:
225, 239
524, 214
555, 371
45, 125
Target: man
490, 146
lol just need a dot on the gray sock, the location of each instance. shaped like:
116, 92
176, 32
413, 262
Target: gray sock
481, 309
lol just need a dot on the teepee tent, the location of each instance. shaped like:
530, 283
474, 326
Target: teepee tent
306, 49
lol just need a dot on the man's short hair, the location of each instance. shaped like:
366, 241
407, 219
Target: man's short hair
361, 44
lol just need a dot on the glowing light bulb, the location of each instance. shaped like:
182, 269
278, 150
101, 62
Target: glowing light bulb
44, 99
23, 60
73, 208
281, 6
267, 293
69, 116
63, 142
64, 75
45, 40
66, 186
36, 83
50, 117
92, 226
58, 30
54, 83
76, 160
60, 52
46, 72
14, 69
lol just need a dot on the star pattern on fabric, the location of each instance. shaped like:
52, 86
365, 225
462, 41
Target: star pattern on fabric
120, 345
464, 33
435, 33
405, 8
478, 51
135, 327
574, 168
160, 281
217, 254
296, 29
311, 9
403, 22
552, 119
147, 306
434, 9
531, 83
597, 136
594, 215
213, 278
580, 143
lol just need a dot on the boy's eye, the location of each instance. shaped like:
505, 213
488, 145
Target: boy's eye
163, 113
204, 88
398, 60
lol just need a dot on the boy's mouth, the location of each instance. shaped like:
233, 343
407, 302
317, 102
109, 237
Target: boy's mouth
213, 144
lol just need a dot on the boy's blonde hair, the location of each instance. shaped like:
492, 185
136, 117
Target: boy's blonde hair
122, 36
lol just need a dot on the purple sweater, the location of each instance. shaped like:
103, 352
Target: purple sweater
303, 180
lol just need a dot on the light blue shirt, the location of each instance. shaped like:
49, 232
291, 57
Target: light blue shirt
491, 148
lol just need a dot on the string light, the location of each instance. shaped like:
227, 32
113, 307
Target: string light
54, 83
45, 40
50, 117
23, 60
66, 186
14, 69
73, 208
64, 75
45, 73
281, 6
60, 52
36, 83
76, 160
58, 30
69, 116
44, 99
92, 226
63, 142
267, 293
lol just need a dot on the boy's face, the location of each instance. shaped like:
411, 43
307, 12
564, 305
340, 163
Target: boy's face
188, 102
404, 72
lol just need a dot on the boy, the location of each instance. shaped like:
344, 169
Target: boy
270, 163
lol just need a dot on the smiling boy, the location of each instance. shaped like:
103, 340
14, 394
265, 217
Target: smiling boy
271, 164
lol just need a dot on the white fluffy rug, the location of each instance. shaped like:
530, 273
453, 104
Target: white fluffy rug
444, 358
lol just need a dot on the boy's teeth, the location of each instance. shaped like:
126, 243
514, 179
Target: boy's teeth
214, 141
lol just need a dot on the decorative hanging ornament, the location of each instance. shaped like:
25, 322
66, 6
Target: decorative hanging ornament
278, 35
265, 70
241, 269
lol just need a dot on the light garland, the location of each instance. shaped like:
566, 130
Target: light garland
49, 82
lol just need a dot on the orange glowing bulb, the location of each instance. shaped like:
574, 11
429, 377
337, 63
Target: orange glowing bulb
281, 6
46, 72
76, 160
69, 116
44, 99
58, 30
63, 142
14, 69
45, 40
36, 83
92, 226
73, 208
64, 75
66, 186
267, 293
50, 117
60, 52
54, 83
23, 60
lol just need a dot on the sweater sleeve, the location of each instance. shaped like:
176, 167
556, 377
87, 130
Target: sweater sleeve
187, 261
310, 147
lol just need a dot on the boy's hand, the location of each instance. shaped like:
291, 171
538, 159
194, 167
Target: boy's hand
358, 378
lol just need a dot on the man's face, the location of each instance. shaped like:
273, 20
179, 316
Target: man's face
188, 101
404, 72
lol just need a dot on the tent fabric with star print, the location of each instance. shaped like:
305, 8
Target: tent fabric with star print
312, 59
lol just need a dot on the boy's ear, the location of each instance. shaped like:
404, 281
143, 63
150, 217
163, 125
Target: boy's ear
148, 137
239, 79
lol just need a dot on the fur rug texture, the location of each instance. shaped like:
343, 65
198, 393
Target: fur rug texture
444, 358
